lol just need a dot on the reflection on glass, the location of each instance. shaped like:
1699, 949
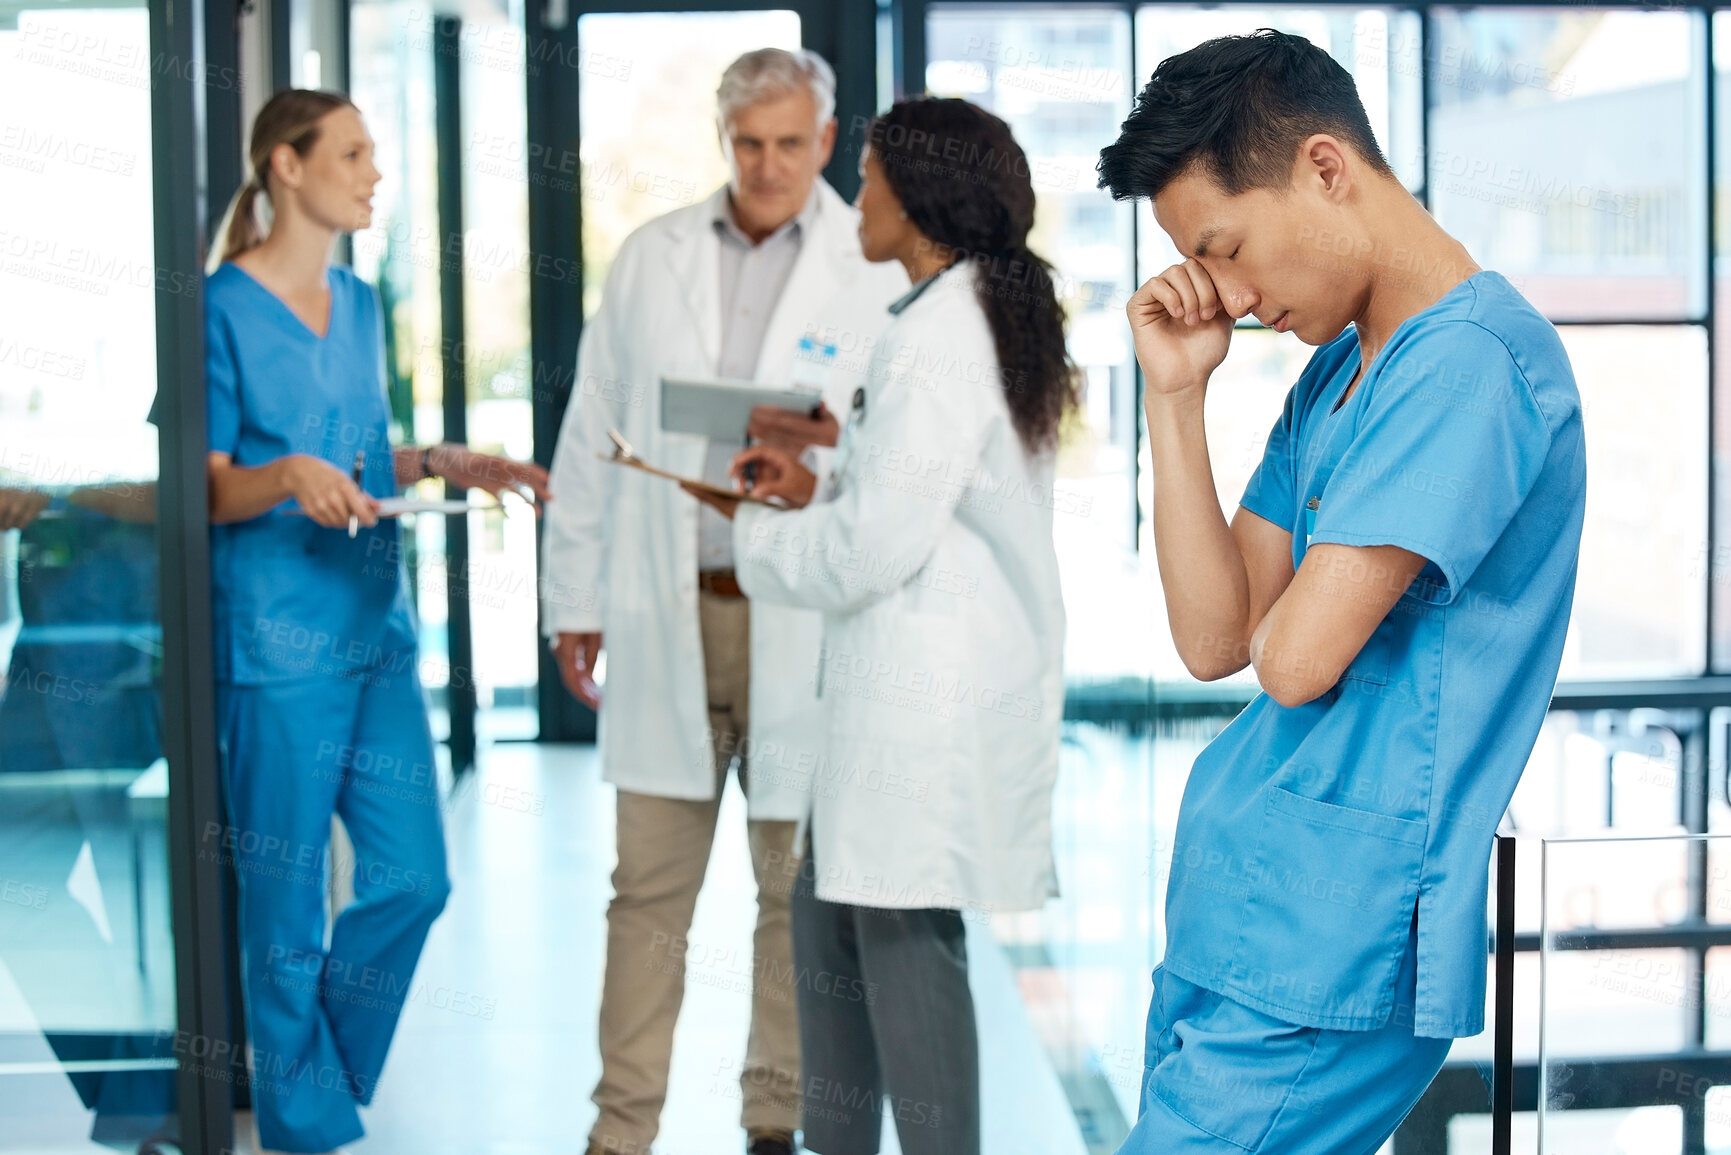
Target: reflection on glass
646, 115
502, 562
1628, 1031
391, 80
87, 994
1061, 81
1564, 153
1639, 598
1607, 771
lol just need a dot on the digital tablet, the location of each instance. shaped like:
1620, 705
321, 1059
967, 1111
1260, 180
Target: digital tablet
722, 409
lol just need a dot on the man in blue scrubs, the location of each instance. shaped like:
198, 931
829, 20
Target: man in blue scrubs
1399, 573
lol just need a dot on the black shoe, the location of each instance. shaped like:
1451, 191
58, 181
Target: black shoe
770, 1143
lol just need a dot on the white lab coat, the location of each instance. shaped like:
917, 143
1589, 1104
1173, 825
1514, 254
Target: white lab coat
931, 556
619, 547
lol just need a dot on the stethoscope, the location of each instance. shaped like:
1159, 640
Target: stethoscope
845, 442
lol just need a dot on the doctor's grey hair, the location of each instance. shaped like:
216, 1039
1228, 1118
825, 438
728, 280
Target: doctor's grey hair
768, 73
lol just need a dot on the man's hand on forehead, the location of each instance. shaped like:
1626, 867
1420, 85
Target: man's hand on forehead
1180, 327
1185, 292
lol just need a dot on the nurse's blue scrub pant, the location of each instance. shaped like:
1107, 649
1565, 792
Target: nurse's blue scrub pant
1222, 1078
320, 1022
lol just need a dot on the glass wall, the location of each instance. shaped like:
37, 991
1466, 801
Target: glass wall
1566, 147
1640, 599
1060, 79
646, 117
495, 354
1620, 1026
1567, 150
391, 49
87, 970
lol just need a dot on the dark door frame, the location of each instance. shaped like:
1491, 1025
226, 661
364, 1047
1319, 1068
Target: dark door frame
182, 111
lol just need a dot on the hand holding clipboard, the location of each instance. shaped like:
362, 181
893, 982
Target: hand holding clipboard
624, 455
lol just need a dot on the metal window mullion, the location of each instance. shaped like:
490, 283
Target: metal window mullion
281, 14
1426, 89
1710, 85
555, 303
1503, 1016
448, 130
178, 130
908, 34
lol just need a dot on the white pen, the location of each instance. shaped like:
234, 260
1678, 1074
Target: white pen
359, 467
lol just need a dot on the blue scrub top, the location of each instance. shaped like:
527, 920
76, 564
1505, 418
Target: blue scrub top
292, 598
1308, 836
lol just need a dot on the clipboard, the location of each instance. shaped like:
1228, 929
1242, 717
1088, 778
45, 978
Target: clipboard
623, 455
721, 409
398, 506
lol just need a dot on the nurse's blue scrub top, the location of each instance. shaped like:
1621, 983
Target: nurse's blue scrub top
292, 598
1307, 835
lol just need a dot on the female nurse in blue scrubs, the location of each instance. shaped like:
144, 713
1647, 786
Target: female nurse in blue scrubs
320, 709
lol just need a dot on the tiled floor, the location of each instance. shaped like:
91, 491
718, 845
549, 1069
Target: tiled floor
496, 1052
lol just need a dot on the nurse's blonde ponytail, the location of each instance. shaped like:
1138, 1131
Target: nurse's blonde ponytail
290, 117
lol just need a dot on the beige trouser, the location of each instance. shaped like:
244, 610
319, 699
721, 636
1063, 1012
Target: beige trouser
664, 848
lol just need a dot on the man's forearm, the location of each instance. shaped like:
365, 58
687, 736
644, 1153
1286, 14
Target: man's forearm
1201, 569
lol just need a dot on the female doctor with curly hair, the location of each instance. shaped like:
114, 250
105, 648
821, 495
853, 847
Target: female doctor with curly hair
929, 550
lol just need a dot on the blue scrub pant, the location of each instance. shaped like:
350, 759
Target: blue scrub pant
1222, 1078
320, 1021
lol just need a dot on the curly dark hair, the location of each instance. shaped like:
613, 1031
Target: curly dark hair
965, 183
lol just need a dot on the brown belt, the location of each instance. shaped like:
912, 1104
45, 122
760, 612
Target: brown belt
719, 582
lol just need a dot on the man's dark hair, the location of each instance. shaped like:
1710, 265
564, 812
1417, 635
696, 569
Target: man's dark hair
1239, 106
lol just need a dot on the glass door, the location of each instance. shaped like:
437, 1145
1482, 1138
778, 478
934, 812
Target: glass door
87, 962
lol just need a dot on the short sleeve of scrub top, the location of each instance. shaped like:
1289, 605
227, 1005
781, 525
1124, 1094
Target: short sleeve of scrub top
221, 397
1432, 467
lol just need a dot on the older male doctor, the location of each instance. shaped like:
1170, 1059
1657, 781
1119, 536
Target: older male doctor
699, 680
